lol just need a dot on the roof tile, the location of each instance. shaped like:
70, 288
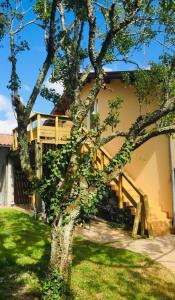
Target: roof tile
5, 140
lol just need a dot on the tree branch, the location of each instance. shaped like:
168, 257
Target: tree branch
154, 133
61, 11
114, 29
47, 62
126, 61
101, 6
92, 30
109, 138
169, 47
143, 122
25, 25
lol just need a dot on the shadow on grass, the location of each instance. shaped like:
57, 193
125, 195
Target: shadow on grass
103, 272
99, 271
24, 249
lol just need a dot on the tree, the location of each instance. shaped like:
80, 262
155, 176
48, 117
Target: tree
76, 44
14, 20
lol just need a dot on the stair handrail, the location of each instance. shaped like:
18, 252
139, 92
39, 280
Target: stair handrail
142, 207
133, 184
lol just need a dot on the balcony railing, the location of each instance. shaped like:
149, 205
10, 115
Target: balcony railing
46, 129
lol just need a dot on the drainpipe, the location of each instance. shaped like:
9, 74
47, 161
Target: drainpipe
172, 159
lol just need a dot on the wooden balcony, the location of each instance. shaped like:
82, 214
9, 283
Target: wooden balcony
46, 129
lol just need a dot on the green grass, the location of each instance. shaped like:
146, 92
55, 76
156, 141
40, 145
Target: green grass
99, 271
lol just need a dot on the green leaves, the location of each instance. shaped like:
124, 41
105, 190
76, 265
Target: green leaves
43, 8
2, 26
50, 95
52, 286
14, 82
78, 7
22, 46
114, 112
156, 82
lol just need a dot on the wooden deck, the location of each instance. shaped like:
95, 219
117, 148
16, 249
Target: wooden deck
46, 129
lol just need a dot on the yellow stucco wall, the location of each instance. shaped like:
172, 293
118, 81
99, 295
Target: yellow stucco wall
150, 164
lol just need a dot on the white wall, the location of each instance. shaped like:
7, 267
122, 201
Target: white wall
6, 178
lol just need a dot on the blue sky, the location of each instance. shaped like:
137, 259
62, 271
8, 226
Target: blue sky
29, 63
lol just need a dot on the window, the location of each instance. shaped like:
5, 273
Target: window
93, 110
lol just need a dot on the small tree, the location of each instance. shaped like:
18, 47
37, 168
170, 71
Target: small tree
15, 19
76, 44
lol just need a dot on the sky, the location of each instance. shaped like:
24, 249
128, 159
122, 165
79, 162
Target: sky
28, 66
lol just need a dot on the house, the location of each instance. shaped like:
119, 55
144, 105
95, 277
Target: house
6, 171
148, 178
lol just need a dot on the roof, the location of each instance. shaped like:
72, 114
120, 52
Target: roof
5, 140
61, 107
112, 74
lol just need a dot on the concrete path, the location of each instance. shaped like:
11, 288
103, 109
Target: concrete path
160, 249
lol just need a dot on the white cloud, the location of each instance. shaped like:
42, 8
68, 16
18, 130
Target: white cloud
57, 86
4, 103
26, 88
107, 69
9, 122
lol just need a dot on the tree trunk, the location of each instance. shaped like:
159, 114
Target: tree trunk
25, 154
61, 252
55, 256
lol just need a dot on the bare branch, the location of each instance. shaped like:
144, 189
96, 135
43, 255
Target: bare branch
61, 11
169, 47
84, 75
80, 35
25, 25
126, 61
47, 62
116, 28
101, 6
92, 29
143, 122
154, 133
90, 98
111, 137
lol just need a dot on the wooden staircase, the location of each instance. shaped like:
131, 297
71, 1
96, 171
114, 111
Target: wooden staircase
147, 214
52, 129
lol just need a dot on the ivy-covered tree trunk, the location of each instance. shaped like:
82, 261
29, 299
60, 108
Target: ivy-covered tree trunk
24, 153
61, 258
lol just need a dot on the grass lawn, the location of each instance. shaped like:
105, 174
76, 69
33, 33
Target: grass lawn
99, 272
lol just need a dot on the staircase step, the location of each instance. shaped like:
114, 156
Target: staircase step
158, 215
133, 211
160, 231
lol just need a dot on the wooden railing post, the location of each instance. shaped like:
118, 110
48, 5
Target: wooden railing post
38, 127
120, 191
102, 160
142, 216
147, 216
15, 139
38, 159
13, 144
95, 160
56, 130
31, 130
33, 201
38, 172
137, 220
